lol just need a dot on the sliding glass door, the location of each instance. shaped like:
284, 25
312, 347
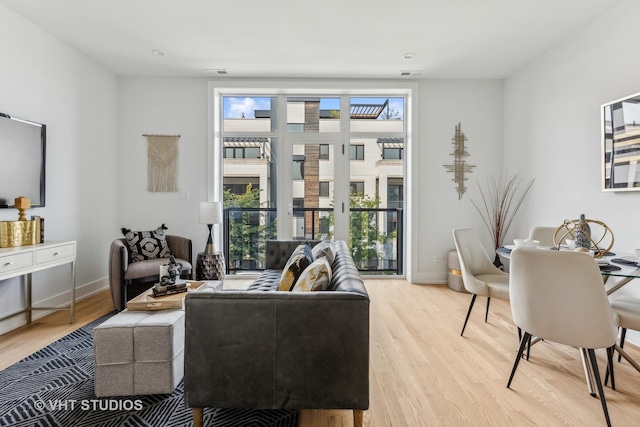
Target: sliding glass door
313, 167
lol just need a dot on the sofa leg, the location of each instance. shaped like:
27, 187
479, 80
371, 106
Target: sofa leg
358, 417
197, 417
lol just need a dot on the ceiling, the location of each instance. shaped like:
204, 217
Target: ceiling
304, 39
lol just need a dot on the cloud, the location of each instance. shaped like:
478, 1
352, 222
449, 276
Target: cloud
234, 108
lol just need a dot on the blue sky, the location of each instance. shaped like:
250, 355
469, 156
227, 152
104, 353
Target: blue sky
234, 107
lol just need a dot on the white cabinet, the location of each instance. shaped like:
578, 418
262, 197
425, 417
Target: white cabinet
25, 260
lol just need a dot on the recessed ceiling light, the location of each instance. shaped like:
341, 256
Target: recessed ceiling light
409, 55
157, 52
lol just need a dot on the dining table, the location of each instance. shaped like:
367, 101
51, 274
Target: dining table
624, 266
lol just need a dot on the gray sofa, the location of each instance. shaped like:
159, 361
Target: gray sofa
266, 349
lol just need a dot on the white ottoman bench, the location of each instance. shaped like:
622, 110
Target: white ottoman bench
139, 352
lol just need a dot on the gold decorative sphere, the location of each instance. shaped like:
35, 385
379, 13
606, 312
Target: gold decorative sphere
598, 233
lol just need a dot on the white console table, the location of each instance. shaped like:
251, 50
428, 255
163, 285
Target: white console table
25, 260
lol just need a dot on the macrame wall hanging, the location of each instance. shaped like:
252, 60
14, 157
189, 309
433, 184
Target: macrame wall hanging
162, 163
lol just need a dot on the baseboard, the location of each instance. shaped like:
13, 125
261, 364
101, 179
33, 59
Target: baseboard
431, 278
60, 300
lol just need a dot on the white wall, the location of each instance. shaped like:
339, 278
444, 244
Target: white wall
43, 80
163, 106
552, 127
477, 105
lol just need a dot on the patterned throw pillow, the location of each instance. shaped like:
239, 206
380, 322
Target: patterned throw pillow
326, 248
298, 261
145, 245
316, 277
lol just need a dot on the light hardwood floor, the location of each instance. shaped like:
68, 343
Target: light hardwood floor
422, 373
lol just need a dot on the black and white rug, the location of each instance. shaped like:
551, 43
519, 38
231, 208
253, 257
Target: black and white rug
54, 388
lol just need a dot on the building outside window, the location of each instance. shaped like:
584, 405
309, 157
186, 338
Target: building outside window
324, 188
356, 152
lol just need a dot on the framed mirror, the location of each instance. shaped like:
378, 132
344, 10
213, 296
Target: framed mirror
620, 141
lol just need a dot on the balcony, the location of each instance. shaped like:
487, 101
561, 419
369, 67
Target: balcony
376, 236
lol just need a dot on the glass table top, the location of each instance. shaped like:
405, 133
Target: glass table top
627, 262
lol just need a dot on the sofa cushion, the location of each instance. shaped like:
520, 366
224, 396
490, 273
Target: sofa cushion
144, 245
298, 261
326, 248
315, 277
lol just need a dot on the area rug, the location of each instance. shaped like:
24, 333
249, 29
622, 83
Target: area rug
54, 388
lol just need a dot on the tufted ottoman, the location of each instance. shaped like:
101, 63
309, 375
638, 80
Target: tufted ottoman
139, 352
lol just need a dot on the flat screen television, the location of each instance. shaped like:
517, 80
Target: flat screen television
621, 144
22, 160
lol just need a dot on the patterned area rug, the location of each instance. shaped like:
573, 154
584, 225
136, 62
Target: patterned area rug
54, 387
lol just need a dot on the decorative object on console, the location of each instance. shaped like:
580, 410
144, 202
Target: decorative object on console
589, 234
162, 163
501, 203
20, 232
145, 245
22, 203
39, 228
210, 214
459, 166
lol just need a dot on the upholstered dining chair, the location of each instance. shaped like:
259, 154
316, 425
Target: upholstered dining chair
543, 234
479, 275
558, 296
628, 310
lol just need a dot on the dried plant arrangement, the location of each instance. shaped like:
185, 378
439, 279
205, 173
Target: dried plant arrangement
501, 200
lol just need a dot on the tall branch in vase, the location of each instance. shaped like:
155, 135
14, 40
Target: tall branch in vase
501, 200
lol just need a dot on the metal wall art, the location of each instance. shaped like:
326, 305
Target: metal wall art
459, 166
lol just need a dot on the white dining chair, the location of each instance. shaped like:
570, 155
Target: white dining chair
479, 275
559, 296
543, 234
628, 310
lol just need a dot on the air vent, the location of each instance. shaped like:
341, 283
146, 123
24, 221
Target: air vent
410, 73
219, 72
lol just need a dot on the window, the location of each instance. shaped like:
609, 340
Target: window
356, 152
298, 167
324, 188
324, 151
357, 187
392, 153
241, 153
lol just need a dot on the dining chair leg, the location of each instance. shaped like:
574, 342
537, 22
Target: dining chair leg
622, 336
528, 346
523, 343
473, 300
610, 351
486, 313
588, 374
596, 374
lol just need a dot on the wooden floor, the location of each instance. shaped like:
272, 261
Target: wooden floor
424, 374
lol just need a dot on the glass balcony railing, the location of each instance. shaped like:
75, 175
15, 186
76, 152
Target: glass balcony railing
376, 236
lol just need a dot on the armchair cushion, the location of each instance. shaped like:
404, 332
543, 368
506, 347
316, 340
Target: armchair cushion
144, 245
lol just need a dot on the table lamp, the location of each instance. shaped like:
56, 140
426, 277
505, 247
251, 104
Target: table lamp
210, 213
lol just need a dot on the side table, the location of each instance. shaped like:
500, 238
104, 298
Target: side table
210, 266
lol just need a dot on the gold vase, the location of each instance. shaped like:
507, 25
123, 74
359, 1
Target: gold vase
18, 233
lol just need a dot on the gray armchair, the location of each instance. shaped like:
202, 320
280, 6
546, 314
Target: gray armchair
127, 280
